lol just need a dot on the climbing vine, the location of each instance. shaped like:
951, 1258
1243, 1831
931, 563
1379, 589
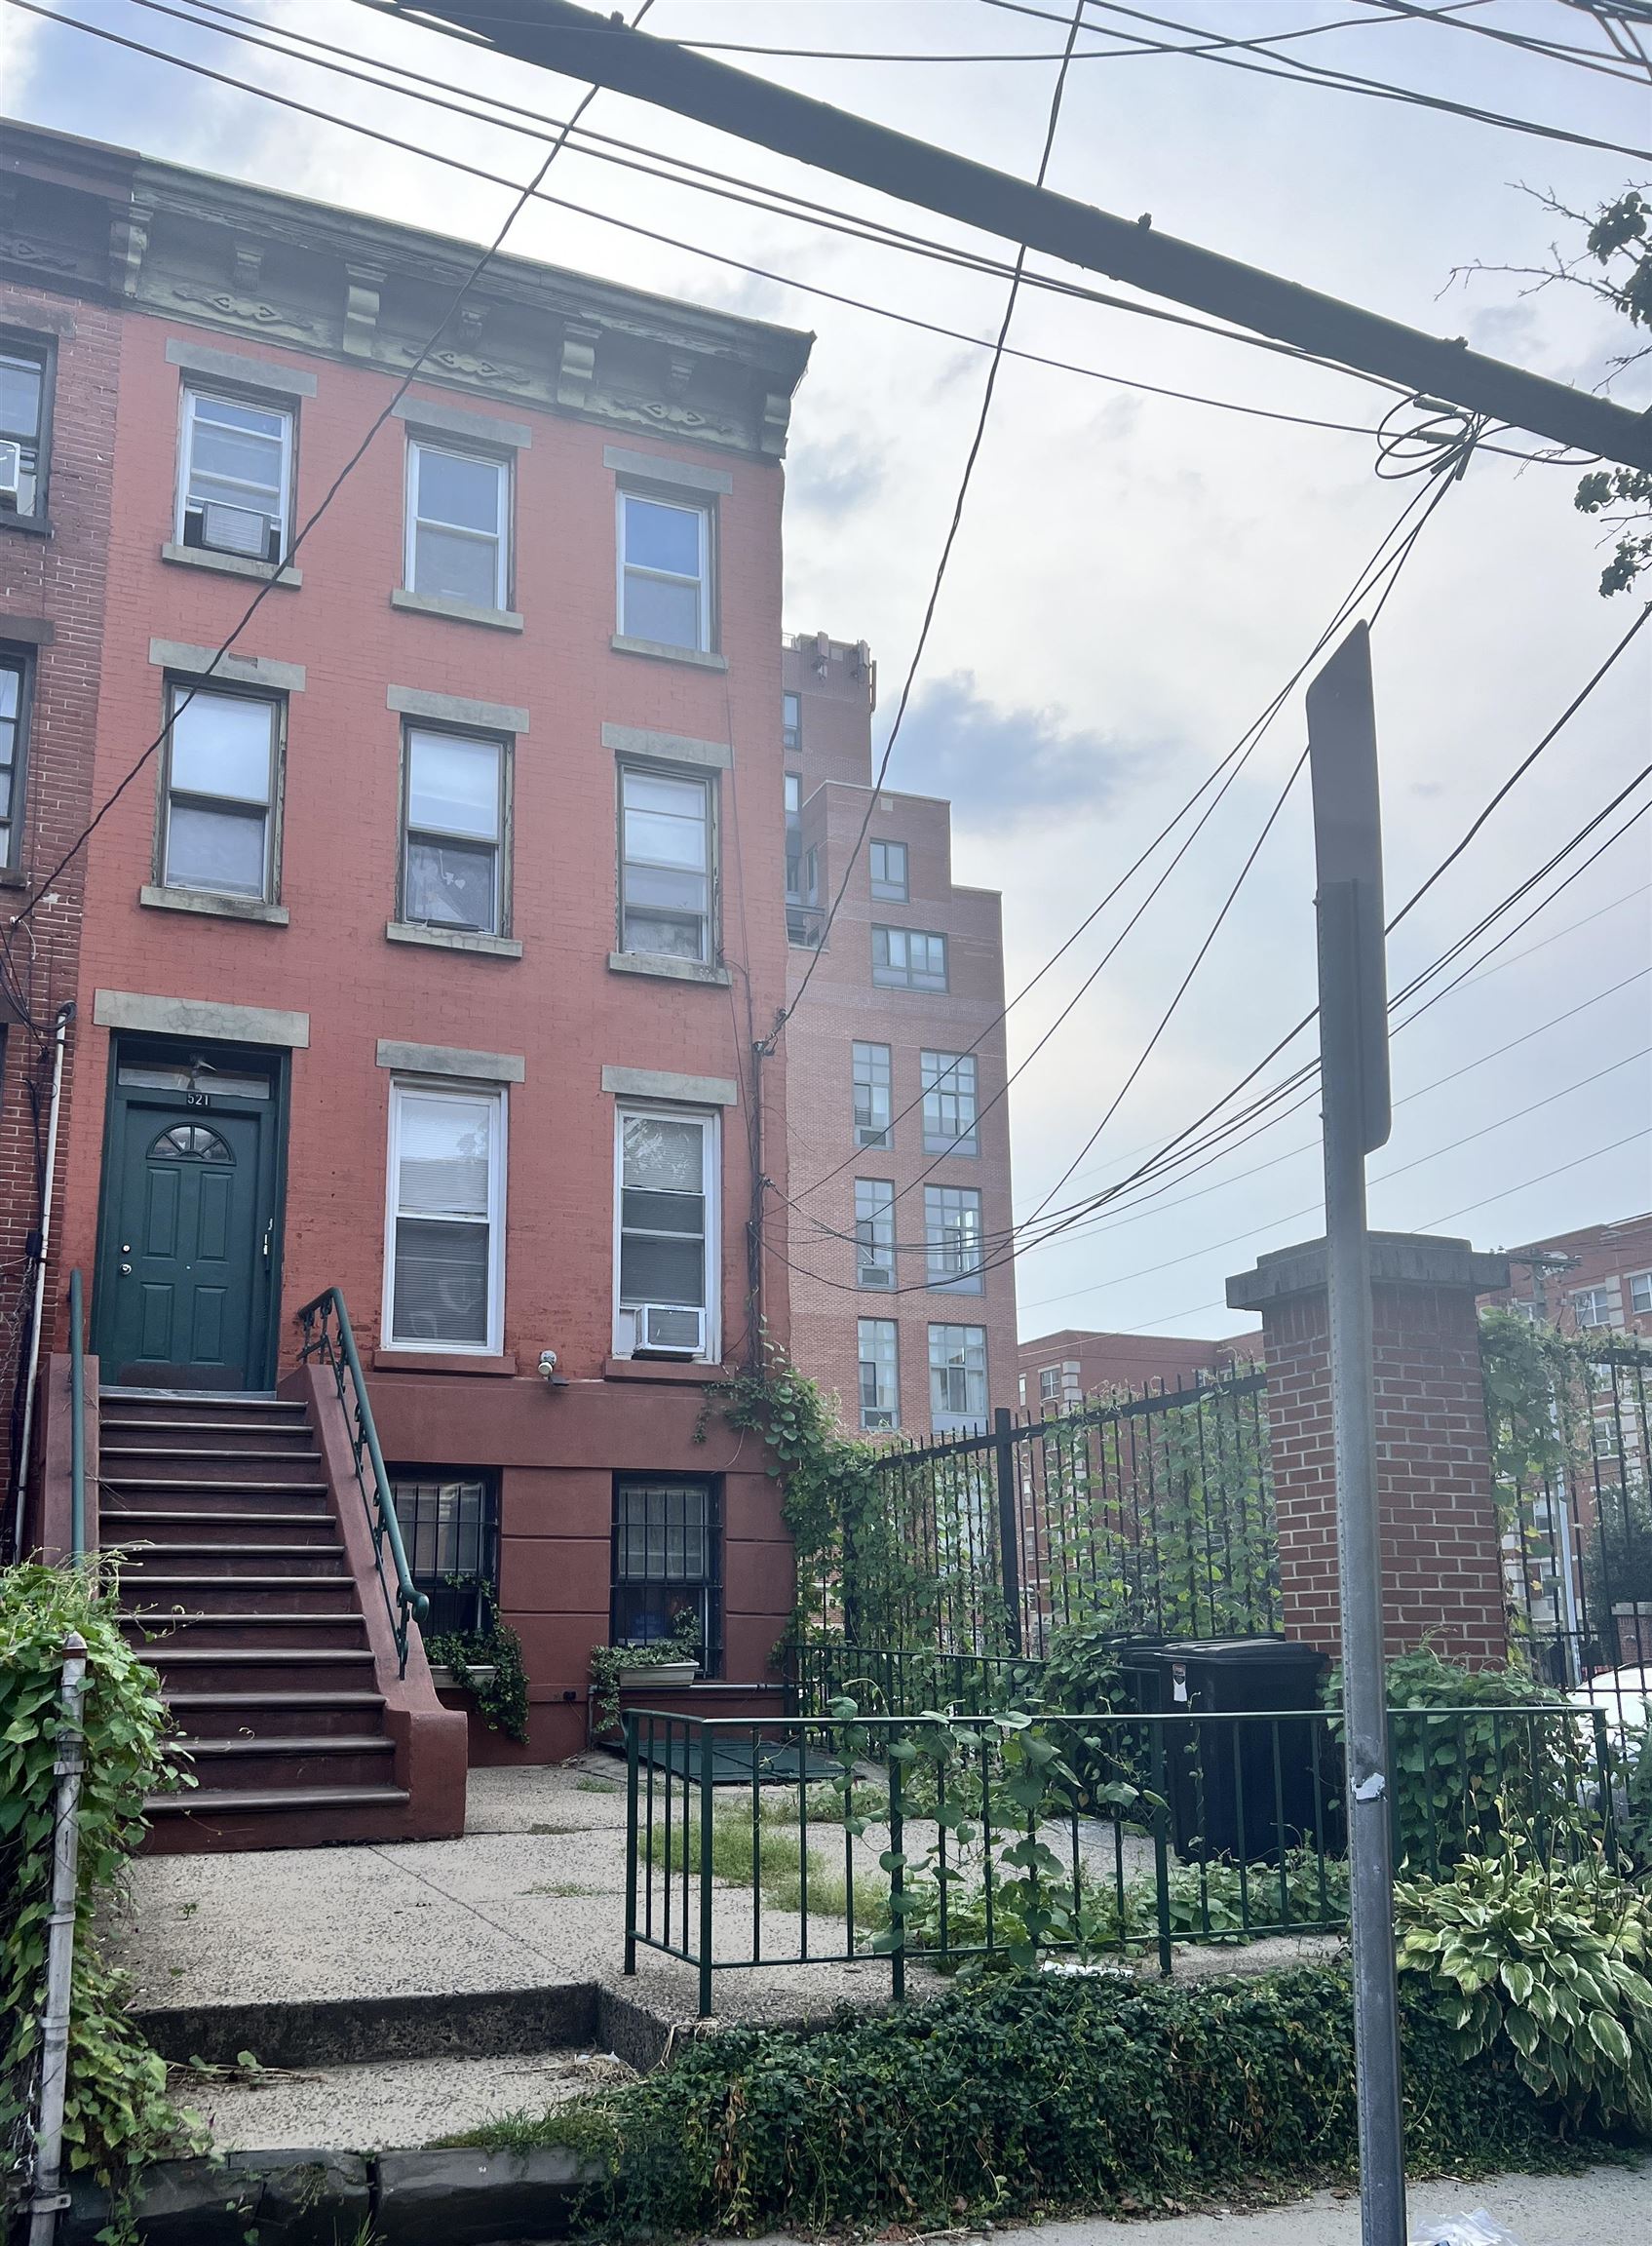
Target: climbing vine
501, 1698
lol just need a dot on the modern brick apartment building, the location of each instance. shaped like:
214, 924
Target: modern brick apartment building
902, 1294
1060, 1369
1596, 1280
415, 962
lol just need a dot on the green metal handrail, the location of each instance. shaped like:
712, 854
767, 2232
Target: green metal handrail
317, 1321
77, 1422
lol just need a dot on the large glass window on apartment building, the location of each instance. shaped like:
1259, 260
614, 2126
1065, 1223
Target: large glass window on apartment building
879, 1345
458, 525
957, 1377
235, 476
889, 871
665, 854
872, 1079
667, 1264
219, 792
953, 1238
948, 1082
664, 573
875, 1232
908, 959
453, 826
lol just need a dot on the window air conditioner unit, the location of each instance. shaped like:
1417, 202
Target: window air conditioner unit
228, 530
671, 1329
11, 477
875, 1134
876, 1275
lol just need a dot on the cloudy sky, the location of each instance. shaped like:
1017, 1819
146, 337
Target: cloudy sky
1137, 577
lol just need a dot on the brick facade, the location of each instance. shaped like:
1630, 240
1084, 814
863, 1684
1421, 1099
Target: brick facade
834, 683
1440, 1549
52, 581
586, 388
1597, 1280
1077, 1362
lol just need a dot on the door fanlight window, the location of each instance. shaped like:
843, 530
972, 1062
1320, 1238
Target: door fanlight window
190, 1142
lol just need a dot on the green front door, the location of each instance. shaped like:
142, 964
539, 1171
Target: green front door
187, 1252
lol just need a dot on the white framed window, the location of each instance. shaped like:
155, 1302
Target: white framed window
1641, 1294
24, 415
957, 1376
875, 1232
458, 524
665, 1238
665, 572
218, 786
949, 1083
791, 725
873, 1096
235, 476
878, 1345
13, 737
445, 1237
889, 871
1049, 1384
908, 959
953, 1238
453, 797
665, 860
1596, 1307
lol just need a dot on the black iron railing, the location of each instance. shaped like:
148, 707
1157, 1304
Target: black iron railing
325, 1326
77, 1420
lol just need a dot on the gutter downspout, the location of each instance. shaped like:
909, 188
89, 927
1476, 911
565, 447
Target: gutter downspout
65, 1015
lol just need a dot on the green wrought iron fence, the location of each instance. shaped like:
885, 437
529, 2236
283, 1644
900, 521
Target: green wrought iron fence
814, 1840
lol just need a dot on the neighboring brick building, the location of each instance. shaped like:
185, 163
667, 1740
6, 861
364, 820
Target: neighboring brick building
903, 1296
59, 371
420, 935
1596, 1280
1063, 1369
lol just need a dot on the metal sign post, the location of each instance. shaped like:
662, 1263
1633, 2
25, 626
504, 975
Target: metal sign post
1354, 1074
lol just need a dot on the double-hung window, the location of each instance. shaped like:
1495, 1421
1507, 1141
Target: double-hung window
453, 823
794, 839
235, 476
791, 725
957, 1376
22, 430
668, 1562
458, 525
1595, 1307
217, 828
949, 1102
666, 862
952, 1237
14, 731
889, 871
1641, 1294
880, 1372
668, 1245
873, 1110
665, 589
445, 1278
875, 1232
908, 959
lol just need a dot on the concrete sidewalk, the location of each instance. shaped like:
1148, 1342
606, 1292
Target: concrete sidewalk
1601, 2207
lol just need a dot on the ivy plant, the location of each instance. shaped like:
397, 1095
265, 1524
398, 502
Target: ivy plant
118, 2115
608, 1663
501, 1697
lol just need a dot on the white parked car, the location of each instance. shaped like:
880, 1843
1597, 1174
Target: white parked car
1624, 1695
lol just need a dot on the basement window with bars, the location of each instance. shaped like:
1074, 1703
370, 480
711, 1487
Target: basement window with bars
451, 1526
668, 1562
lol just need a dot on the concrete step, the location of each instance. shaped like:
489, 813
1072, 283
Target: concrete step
299, 1463
298, 1760
259, 1668
248, 1628
130, 1527
194, 1434
267, 1715
221, 1556
226, 1817
145, 1592
166, 1485
273, 1800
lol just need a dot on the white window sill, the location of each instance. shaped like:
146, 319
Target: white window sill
232, 566
662, 651
217, 908
668, 969
455, 612
453, 939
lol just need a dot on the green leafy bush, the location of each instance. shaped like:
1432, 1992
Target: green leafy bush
501, 1699
1550, 1963
1038, 2091
118, 2115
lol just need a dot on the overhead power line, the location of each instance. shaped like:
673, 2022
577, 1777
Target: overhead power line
1548, 50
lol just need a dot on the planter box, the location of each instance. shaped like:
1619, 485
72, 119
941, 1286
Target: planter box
659, 1676
445, 1680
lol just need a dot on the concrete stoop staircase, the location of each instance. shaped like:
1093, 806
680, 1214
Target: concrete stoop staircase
238, 1590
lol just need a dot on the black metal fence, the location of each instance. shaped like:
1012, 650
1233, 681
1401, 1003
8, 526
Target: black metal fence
1576, 1518
1001, 1838
1151, 1512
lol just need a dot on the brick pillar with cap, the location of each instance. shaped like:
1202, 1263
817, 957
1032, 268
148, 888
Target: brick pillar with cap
1442, 1563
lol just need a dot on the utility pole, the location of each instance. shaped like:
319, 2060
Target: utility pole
579, 44
1354, 1093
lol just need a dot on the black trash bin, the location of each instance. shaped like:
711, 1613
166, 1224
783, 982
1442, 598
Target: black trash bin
1242, 1789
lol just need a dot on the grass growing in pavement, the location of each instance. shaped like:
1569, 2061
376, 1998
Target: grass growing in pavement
781, 1865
